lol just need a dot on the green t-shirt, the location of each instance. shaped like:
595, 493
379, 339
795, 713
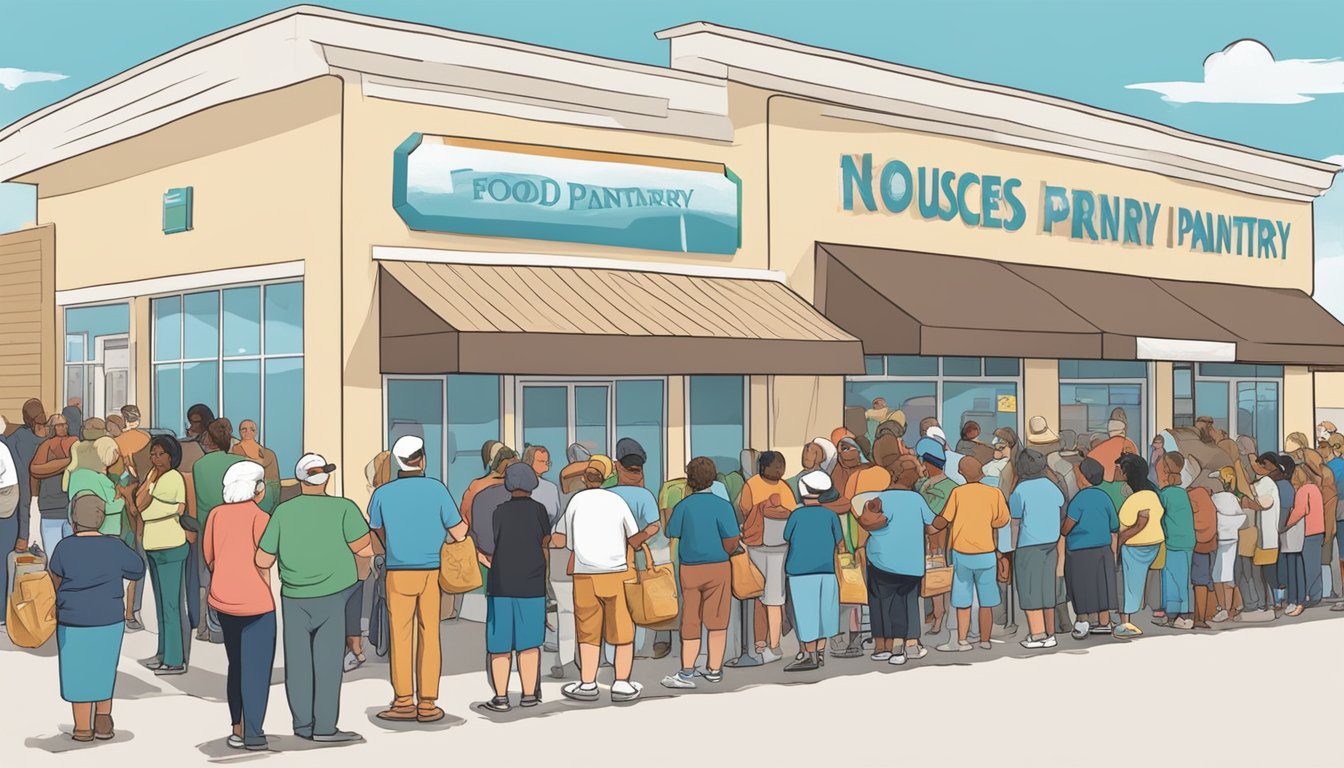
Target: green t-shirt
87, 481
1178, 519
1116, 490
207, 476
310, 537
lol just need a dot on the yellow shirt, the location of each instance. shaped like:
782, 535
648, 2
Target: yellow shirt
1129, 514
974, 511
162, 529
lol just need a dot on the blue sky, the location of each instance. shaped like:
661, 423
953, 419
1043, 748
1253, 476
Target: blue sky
1086, 51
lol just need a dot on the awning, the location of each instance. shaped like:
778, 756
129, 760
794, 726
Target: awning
907, 303
467, 318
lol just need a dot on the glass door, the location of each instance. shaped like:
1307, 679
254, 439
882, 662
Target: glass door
1258, 413
556, 415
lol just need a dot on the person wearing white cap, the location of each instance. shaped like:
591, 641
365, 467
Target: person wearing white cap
814, 537
411, 515
314, 538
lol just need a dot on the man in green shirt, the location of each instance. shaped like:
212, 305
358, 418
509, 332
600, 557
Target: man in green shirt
935, 487
1178, 526
207, 480
315, 538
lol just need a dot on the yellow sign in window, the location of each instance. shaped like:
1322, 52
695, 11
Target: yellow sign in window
1007, 403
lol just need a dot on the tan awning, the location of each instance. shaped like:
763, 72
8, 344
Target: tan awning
907, 303
457, 318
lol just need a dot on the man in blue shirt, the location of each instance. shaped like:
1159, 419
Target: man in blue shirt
630, 459
1089, 528
410, 516
895, 520
1035, 506
707, 530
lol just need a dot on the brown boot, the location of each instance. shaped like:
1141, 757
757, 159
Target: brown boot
102, 727
399, 713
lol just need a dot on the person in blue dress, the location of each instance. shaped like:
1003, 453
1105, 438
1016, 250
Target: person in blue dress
814, 537
88, 569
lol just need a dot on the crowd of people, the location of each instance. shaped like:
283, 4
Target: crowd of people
1080, 533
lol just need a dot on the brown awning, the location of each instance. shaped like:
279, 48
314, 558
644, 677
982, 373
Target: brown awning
908, 303
460, 318
1273, 325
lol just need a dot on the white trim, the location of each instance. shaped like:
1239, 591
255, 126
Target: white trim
783, 66
494, 259
1185, 350
218, 278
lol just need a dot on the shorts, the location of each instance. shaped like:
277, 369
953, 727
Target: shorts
770, 562
514, 623
1225, 562
706, 598
600, 610
816, 606
1034, 574
1201, 570
975, 576
893, 604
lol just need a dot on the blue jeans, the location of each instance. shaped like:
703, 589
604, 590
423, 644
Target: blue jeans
249, 643
1136, 561
53, 530
1176, 582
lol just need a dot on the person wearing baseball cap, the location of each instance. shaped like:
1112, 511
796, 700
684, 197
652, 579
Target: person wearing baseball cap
314, 538
411, 515
630, 460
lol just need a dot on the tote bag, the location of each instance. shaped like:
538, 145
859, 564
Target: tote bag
748, 581
652, 594
853, 587
459, 568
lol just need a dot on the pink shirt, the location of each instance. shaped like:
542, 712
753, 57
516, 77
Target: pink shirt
1308, 505
237, 586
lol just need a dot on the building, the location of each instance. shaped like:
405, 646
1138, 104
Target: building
349, 228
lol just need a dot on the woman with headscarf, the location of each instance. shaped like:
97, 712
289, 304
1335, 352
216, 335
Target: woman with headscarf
1139, 540
88, 573
817, 455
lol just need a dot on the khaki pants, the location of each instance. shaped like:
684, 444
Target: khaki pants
413, 608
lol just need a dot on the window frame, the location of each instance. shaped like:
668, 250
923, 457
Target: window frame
746, 412
92, 362
940, 379
442, 379
1146, 388
1231, 382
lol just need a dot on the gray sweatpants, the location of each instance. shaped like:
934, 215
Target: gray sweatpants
1250, 583
314, 636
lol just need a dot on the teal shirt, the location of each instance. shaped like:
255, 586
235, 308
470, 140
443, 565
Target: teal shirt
1178, 519
87, 481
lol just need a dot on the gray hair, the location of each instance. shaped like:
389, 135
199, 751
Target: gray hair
87, 512
242, 481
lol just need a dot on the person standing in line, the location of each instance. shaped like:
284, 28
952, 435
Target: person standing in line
1139, 539
516, 589
1231, 519
96, 480
706, 530
133, 446
1205, 513
934, 488
630, 459
814, 537
1090, 527
896, 520
765, 504
1178, 531
1309, 507
1002, 473
88, 571
315, 537
1288, 540
1336, 467
240, 594
207, 478
817, 455
24, 444
1263, 509
598, 529
248, 448
1035, 507
973, 515
547, 493
411, 515
1293, 536
161, 498
46, 473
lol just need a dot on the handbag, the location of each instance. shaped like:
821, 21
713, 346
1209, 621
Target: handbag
853, 587
1003, 568
937, 578
748, 581
1265, 556
31, 615
9, 501
652, 594
459, 567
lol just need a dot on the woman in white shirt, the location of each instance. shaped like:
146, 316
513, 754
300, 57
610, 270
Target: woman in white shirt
1231, 518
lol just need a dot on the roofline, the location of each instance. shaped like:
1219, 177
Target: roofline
702, 27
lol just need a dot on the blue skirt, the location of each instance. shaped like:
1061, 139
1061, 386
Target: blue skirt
816, 606
88, 661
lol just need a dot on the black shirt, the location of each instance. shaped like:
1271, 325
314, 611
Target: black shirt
518, 568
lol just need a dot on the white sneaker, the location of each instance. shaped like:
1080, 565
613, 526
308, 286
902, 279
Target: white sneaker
1033, 642
769, 656
1220, 616
896, 660
1081, 630
956, 646
1050, 641
915, 651
671, 681
624, 690
881, 656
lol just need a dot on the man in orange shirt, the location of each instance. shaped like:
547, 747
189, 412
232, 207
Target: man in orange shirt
1108, 451
973, 514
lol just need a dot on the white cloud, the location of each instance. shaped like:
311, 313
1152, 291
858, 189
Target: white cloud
1246, 72
11, 78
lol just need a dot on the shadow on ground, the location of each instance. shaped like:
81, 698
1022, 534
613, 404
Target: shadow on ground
219, 751
410, 726
62, 742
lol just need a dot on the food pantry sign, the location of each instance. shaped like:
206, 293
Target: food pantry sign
999, 202
467, 186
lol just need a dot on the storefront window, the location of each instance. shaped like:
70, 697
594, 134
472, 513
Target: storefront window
1183, 395
97, 358
1243, 400
1092, 392
1258, 413
1211, 399
639, 416
953, 390
415, 407
237, 350
473, 419
545, 414
718, 422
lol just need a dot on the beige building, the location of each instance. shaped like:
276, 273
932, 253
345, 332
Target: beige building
348, 228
